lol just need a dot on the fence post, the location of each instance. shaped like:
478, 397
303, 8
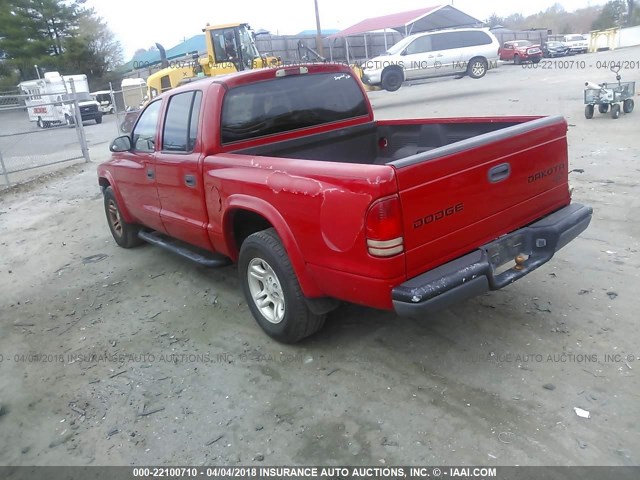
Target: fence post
79, 126
116, 113
4, 171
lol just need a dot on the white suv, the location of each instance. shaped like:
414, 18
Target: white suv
463, 51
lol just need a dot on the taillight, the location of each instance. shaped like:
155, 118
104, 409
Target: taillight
384, 228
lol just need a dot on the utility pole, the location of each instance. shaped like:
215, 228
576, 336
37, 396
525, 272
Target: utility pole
319, 46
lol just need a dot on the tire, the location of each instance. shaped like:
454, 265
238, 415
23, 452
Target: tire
615, 111
603, 107
516, 59
99, 119
40, 123
272, 290
392, 79
125, 234
477, 68
588, 111
627, 105
535, 60
69, 121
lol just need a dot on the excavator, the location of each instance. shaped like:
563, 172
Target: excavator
230, 48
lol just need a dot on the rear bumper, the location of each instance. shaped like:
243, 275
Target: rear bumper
476, 272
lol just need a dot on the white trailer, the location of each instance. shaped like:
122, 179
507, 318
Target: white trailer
49, 100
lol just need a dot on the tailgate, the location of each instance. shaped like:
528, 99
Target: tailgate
458, 197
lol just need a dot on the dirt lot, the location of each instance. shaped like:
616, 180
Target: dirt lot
112, 356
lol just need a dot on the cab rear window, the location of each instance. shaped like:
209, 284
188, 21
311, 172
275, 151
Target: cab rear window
290, 103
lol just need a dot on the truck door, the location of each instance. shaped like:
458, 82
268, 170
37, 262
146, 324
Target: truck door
136, 175
179, 171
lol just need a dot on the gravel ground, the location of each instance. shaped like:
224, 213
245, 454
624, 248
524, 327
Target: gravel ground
112, 356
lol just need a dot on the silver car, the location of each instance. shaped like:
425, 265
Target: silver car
463, 51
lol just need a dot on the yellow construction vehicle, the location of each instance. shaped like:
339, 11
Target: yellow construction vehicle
230, 48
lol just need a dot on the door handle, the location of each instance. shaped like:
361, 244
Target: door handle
190, 180
499, 173
151, 174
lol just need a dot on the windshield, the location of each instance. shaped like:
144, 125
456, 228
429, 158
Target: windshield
234, 45
574, 38
398, 47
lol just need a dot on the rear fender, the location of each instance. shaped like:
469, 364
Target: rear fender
266, 210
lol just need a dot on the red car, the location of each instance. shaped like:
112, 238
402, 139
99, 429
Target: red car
520, 51
287, 173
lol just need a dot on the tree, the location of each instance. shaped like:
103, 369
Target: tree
494, 20
60, 35
93, 48
633, 18
612, 15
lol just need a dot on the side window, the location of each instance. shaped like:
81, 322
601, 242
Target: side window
181, 122
165, 83
472, 39
440, 42
144, 134
419, 45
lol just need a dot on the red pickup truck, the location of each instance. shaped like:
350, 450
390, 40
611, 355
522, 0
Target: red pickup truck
286, 172
520, 51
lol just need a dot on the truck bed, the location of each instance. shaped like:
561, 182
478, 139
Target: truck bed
461, 182
383, 142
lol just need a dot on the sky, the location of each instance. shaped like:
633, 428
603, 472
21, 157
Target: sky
141, 23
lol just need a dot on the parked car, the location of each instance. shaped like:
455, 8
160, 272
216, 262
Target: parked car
465, 51
285, 172
577, 43
555, 49
520, 51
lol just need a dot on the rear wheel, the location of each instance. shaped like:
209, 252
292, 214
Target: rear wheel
68, 121
391, 79
477, 68
588, 111
603, 107
272, 290
615, 111
125, 234
628, 105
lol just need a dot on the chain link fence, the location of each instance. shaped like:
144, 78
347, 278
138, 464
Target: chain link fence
125, 104
38, 131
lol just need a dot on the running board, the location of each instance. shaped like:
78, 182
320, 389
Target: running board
195, 254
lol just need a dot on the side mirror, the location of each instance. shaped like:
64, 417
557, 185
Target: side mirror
121, 144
